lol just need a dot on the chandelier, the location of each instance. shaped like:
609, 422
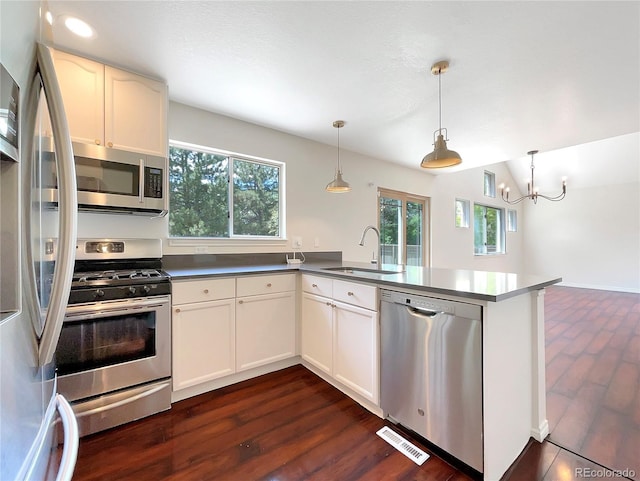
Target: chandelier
532, 190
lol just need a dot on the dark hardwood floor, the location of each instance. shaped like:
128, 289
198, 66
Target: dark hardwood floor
287, 425
291, 425
593, 374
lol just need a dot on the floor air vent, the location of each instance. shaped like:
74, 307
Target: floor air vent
405, 447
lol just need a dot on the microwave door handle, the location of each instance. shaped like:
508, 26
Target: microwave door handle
141, 186
68, 207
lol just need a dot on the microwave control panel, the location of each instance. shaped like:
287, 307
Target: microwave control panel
153, 183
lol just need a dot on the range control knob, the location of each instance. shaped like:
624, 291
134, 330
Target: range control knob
132, 290
146, 289
99, 293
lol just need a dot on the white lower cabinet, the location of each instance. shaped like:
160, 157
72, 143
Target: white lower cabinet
203, 342
317, 331
224, 325
341, 338
355, 349
265, 329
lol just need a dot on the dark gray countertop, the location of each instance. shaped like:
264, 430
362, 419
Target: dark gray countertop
470, 284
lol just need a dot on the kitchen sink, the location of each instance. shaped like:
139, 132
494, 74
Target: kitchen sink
356, 270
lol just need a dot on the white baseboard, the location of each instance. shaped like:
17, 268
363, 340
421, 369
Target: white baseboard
541, 431
633, 290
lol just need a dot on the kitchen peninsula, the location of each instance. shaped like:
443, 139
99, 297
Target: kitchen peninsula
512, 306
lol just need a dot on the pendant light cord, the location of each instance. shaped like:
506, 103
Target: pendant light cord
339, 168
440, 100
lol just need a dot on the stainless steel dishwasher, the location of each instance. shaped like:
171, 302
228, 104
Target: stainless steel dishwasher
431, 371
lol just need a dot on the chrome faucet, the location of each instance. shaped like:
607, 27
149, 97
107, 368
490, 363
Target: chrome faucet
364, 233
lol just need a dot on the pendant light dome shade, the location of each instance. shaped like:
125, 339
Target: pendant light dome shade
441, 155
338, 184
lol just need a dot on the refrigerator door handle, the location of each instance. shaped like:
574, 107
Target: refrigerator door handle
68, 206
71, 439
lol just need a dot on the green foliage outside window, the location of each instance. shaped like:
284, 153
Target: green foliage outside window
200, 191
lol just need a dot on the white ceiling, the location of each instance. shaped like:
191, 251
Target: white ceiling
523, 76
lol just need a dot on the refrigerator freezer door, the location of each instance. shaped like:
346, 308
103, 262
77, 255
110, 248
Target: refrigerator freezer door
47, 271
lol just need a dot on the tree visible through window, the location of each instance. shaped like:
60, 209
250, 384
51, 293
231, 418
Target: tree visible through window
204, 202
403, 228
488, 234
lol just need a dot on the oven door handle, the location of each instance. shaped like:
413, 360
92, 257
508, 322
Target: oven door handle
96, 311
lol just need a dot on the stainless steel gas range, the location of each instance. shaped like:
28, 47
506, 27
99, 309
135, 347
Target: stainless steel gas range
114, 353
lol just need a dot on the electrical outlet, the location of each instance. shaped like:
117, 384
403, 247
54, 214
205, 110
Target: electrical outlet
202, 249
316, 242
297, 242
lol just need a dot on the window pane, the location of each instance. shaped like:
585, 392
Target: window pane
512, 221
489, 184
256, 199
488, 236
390, 230
462, 213
415, 228
198, 200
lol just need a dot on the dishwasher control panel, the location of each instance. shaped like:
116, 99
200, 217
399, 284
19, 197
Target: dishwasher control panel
430, 304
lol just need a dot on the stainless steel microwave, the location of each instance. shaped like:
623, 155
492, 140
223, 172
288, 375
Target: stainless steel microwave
113, 180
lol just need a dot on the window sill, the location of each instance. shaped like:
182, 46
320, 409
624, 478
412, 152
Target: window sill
221, 242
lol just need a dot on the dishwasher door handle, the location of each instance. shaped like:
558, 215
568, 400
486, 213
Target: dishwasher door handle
423, 312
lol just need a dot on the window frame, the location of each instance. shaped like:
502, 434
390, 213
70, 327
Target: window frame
489, 184
501, 232
233, 238
465, 215
405, 197
512, 220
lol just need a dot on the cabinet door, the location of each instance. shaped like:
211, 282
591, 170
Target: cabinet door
355, 349
203, 342
317, 331
265, 329
82, 87
135, 112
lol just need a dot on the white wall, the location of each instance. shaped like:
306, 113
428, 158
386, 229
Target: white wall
336, 221
591, 238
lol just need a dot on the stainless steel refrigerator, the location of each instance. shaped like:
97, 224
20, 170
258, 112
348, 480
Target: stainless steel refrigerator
38, 431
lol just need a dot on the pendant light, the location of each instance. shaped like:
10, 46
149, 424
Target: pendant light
441, 155
338, 185
532, 190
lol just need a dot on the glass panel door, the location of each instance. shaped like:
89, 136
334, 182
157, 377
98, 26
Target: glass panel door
415, 233
403, 228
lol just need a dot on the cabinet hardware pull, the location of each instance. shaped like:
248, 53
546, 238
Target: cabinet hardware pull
178, 310
350, 293
329, 304
206, 291
269, 285
110, 144
314, 285
97, 141
240, 301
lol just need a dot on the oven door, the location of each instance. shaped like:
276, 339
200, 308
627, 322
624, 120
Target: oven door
111, 345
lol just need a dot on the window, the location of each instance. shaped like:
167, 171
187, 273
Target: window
489, 184
462, 213
488, 235
215, 194
512, 221
403, 228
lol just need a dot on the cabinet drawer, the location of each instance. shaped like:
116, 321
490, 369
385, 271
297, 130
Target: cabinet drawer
321, 286
257, 285
357, 294
185, 292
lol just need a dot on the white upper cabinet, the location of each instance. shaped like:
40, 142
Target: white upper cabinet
82, 84
112, 107
135, 116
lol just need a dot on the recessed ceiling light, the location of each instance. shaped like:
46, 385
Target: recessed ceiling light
79, 27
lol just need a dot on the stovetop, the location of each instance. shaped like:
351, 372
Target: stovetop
111, 277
